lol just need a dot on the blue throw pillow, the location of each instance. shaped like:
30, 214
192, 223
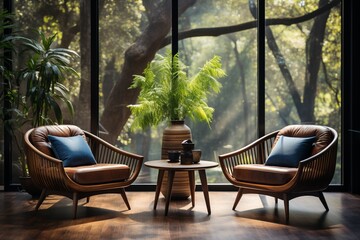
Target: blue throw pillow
73, 151
289, 151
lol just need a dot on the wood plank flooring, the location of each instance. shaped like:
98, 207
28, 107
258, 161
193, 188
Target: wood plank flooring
106, 217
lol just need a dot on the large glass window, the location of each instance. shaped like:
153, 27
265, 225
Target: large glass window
124, 31
303, 67
302, 72
234, 121
293, 86
127, 29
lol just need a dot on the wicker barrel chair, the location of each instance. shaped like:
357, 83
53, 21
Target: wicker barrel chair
112, 171
247, 167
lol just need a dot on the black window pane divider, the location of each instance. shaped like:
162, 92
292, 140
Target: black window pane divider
7, 135
94, 121
174, 27
261, 67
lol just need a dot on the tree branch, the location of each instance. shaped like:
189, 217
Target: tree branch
217, 31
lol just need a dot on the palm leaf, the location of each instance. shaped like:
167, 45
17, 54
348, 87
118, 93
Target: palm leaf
57, 110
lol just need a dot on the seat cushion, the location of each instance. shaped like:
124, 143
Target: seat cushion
98, 173
261, 174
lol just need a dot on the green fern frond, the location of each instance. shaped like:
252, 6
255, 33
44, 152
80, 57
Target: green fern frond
167, 93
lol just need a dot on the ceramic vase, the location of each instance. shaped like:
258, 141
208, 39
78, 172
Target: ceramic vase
173, 135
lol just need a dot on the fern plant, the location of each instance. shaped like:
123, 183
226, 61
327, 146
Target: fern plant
167, 93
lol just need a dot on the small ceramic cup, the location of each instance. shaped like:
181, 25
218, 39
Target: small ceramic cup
196, 153
174, 156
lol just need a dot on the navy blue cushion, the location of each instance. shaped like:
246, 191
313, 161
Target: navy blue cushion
73, 151
289, 151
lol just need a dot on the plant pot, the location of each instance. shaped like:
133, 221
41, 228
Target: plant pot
28, 185
173, 135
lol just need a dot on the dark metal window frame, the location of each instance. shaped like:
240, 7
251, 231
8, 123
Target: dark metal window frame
7, 144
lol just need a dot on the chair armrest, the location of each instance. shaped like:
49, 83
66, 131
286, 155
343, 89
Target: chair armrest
254, 153
105, 152
45, 171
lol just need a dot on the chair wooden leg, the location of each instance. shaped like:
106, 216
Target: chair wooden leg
238, 197
75, 204
323, 201
123, 194
276, 200
41, 199
286, 207
87, 199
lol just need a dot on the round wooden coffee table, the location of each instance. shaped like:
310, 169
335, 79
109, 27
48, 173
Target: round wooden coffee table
171, 168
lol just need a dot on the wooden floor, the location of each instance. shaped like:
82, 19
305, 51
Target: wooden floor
106, 217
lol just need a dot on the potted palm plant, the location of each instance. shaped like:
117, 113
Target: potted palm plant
42, 100
168, 94
44, 73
